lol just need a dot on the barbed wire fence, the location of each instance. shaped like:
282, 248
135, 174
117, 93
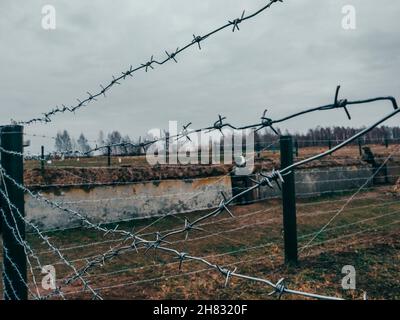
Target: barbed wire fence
221, 124
19, 255
160, 241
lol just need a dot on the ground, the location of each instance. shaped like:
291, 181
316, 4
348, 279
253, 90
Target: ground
365, 234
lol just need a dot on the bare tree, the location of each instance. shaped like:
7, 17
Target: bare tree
83, 144
63, 142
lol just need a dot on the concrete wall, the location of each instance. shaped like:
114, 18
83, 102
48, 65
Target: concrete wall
321, 181
103, 204
125, 202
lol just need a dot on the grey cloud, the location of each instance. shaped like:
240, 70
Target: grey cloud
286, 59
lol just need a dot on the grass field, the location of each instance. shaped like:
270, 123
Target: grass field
366, 235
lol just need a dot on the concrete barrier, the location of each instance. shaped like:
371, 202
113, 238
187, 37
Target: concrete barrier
106, 204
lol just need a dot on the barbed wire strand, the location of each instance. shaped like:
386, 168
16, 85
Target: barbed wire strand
219, 125
350, 199
222, 220
274, 176
197, 40
228, 265
49, 244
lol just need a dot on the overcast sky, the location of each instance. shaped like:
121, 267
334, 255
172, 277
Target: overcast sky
288, 58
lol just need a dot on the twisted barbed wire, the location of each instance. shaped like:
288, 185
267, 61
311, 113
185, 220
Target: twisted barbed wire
220, 124
46, 240
196, 41
267, 179
149, 244
179, 275
219, 221
349, 200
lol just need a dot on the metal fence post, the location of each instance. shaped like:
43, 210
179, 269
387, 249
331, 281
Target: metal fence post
386, 140
109, 156
14, 272
42, 160
167, 148
289, 202
296, 146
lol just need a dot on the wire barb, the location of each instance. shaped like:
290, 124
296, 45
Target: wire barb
280, 288
223, 206
185, 133
341, 103
189, 227
219, 124
237, 21
197, 39
267, 122
181, 257
171, 56
148, 64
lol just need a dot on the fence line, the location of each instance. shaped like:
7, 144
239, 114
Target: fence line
228, 265
351, 199
391, 213
238, 217
275, 176
128, 241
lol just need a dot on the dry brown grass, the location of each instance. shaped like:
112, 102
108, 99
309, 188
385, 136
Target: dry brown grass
372, 246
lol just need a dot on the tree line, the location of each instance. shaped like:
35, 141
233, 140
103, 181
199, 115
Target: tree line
322, 136
66, 143
319, 136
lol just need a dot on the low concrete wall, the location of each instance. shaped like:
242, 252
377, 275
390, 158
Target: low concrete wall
105, 204
315, 182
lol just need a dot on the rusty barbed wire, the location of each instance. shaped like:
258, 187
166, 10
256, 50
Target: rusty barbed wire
146, 66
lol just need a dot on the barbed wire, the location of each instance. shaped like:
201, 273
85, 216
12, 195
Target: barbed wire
274, 176
249, 225
221, 124
171, 56
179, 275
227, 253
159, 241
349, 200
217, 221
49, 244
158, 244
